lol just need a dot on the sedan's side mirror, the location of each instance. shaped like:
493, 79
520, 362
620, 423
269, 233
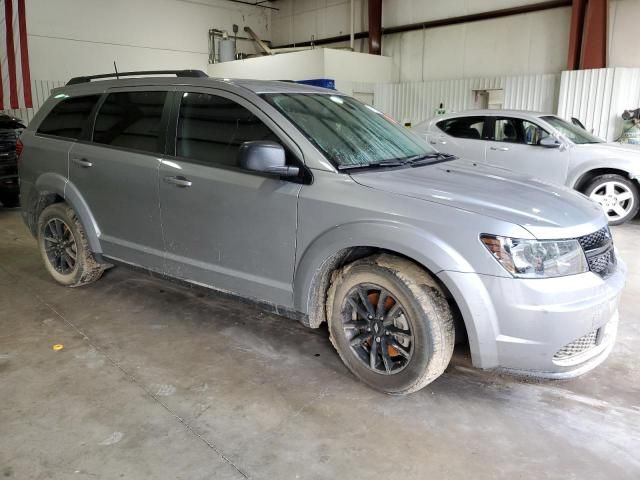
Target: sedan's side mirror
267, 157
549, 142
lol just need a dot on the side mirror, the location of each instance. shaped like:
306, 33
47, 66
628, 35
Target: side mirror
549, 142
266, 157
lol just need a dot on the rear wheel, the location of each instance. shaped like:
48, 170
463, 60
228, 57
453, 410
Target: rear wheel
64, 248
617, 195
390, 323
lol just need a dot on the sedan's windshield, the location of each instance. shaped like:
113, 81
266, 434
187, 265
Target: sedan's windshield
349, 133
572, 132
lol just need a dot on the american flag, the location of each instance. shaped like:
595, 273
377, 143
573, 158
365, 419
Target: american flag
15, 79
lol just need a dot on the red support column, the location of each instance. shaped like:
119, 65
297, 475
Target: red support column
594, 45
375, 27
575, 35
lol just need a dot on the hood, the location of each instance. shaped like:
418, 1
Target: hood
545, 210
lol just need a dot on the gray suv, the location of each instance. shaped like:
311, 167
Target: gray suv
323, 209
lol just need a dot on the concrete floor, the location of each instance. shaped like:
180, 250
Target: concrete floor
159, 381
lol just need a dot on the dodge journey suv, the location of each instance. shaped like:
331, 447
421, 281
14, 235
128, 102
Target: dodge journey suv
323, 209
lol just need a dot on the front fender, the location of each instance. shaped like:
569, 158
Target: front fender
58, 184
429, 251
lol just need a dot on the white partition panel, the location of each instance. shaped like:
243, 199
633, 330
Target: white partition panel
598, 97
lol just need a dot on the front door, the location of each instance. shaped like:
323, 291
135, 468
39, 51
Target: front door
464, 137
515, 145
117, 174
226, 227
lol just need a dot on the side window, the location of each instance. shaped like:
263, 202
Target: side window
516, 130
69, 117
466, 127
533, 133
131, 120
211, 129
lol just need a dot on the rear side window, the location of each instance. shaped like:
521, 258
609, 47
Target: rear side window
466, 127
69, 117
131, 120
212, 128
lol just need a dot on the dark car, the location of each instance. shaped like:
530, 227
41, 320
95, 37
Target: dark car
10, 129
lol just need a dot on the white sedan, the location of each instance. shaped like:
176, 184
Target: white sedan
547, 147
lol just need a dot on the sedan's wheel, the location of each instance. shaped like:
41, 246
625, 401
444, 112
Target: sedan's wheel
617, 195
390, 323
64, 248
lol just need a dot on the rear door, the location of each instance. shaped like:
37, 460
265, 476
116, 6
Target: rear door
464, 137
515, 145
224, 226
116, 171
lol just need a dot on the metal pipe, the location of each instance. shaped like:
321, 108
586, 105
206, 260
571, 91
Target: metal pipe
352, 30
505, 12
257, 4
263, 46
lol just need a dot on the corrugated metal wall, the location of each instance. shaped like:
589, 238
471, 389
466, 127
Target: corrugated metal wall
40, 91
417, 101
598, 97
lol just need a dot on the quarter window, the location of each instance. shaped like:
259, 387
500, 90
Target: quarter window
68, 118
131, 120
212, 128
467, 127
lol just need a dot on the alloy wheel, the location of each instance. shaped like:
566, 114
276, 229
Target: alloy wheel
60, 246
378, 331
616, 199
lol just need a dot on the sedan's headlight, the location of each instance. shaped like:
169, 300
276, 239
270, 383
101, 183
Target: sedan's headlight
537, 258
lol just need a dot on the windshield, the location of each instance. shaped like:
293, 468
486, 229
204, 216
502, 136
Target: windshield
572, 132
349, 133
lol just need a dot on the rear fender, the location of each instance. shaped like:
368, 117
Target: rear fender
55, 183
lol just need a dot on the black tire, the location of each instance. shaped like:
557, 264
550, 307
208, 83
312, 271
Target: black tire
85, 268
10, 200
619, 185
425, 315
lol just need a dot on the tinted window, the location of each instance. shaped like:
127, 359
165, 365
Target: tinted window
212, 128
467, 127
68, 118
516, 130
131, 120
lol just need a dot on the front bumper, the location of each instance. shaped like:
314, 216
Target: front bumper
554, 328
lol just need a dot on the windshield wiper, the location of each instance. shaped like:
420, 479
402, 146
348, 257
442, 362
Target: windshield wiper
437, 157
385, 164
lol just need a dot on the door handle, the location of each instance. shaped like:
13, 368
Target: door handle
500, 149
179, 181
83, 162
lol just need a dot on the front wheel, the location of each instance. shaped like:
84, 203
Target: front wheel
390, 323
618, 196
64, 248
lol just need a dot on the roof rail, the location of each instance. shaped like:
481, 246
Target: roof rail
177, 73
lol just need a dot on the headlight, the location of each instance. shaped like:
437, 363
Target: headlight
537, 258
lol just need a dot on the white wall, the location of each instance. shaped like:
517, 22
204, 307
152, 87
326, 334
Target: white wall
307, 65
624, 16
516, 45
82, 37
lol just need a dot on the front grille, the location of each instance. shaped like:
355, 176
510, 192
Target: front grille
598, 248
596, 239
578, 346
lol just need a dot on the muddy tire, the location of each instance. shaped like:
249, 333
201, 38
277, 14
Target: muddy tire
618, 196
390, 323
64, 248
